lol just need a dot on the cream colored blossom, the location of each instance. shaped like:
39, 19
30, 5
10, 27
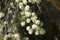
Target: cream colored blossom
27, 7
2, 14
42, 31
37, 22
21, 6
28, 20
16, 35
27, 14
34, 26
33, 14
22, 23
28, 28
36, 32
30, 31
34, 18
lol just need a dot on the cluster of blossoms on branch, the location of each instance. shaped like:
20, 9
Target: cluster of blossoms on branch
30, 20
26, 16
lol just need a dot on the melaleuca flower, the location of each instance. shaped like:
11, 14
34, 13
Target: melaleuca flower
2, 14
22, 23
25, 2
21, 14
27, 8
34, 18
28, 20
42, 31
17, 36
28, 17
36, 32
37, 22
28, 28
34, 26
21, 6
30, 31
33, 14
27, 14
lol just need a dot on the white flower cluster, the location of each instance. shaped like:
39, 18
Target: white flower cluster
12, 36
22, 3
31, 17
27, 16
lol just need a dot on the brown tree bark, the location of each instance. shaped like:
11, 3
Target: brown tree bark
56, 3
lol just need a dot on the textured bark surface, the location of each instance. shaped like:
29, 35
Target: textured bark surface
56, 3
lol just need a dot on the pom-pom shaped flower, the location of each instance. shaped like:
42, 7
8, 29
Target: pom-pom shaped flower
42, 31
22, 23
34, 18
36, 32
21, 6
27, 14
30, 31
28, 28
37, 22
28, 20
34, 26
27, 7
2, 14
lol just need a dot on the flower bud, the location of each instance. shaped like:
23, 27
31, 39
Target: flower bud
28, 20
28, 28
22, 23
34, 26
